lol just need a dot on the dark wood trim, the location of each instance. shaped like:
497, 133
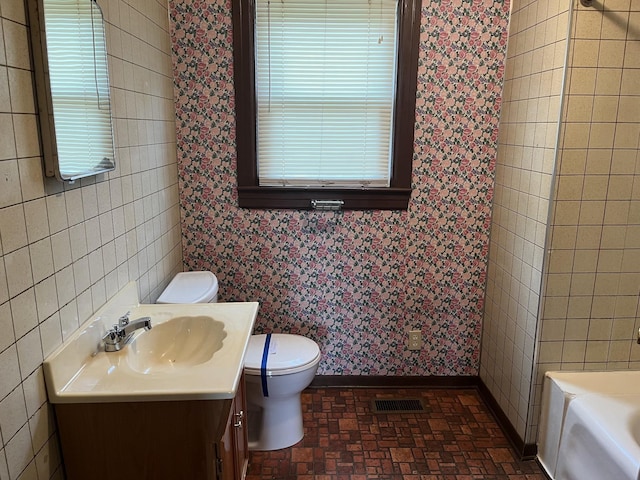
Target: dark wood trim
383, 381
405, 108
526, 451
300, 198
243, 19
529, 452
251, 195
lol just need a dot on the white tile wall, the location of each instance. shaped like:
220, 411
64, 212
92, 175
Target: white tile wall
66, 249
591, 281
595, 246
524, 170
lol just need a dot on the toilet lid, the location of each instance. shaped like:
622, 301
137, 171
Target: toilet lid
190, 287
286, 352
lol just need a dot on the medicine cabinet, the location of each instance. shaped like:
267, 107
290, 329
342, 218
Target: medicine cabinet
72, 87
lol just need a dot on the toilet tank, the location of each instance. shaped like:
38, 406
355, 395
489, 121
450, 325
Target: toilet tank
191, 287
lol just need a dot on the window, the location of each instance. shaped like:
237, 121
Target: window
325, 101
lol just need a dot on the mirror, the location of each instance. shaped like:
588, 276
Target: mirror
72, 87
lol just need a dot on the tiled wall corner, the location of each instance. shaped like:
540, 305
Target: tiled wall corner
65, 250
524, 169
589, 291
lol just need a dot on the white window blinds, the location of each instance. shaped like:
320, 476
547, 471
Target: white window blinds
325, 81
79, 87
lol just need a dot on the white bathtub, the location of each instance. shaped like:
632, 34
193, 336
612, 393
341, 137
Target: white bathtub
590, 425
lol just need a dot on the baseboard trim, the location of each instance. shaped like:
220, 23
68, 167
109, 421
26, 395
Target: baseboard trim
383, 381
526, 451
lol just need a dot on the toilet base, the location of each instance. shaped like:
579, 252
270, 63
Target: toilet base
275, 424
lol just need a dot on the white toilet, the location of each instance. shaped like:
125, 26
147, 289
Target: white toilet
277, 367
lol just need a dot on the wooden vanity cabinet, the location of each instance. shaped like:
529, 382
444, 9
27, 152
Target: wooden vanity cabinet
188, 440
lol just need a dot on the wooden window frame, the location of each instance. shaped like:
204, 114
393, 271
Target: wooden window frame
394, 197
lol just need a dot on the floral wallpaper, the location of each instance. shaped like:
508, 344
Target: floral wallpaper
354, 281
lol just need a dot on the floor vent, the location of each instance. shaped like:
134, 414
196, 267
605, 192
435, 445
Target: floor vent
398, 405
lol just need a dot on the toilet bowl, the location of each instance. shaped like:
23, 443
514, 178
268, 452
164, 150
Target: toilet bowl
278, 367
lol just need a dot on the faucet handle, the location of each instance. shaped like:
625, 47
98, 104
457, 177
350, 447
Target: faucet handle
110, 335
111, 340
123, 321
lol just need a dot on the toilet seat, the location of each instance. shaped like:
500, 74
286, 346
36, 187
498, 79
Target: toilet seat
288, 353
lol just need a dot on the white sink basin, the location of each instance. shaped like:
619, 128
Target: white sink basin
192, 352
178, 343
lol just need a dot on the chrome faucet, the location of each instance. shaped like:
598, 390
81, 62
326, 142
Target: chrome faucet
120, 334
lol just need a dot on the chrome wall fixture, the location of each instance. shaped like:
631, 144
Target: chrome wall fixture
587, 3
327, 204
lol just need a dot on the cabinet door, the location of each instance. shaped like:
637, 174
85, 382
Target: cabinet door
161, 441
233, 452
240, 431
225, 467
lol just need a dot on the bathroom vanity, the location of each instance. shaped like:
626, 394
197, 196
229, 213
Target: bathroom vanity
167, 405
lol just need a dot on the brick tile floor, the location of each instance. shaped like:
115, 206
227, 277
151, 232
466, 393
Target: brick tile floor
455, 438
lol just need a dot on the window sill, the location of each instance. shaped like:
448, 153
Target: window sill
300, 198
